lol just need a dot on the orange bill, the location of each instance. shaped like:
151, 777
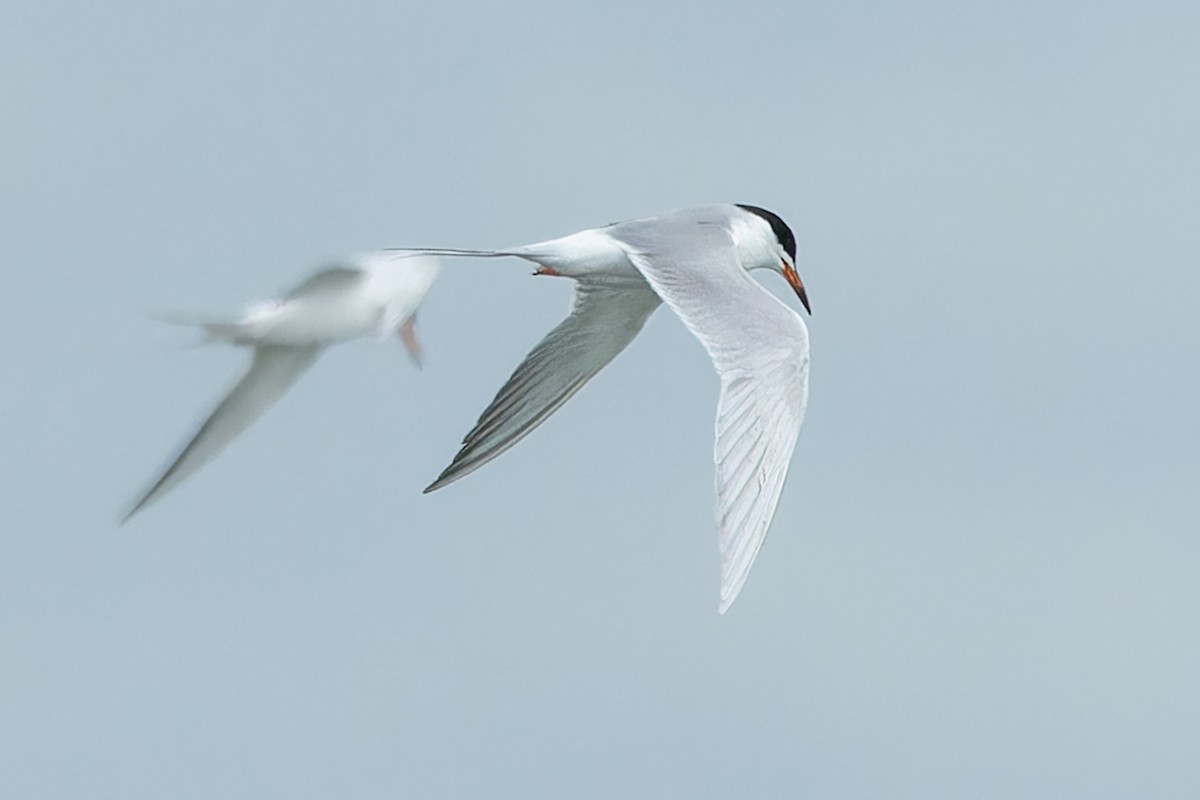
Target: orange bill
793, 279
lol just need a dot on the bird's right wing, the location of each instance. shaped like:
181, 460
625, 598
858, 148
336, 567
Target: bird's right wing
272, 371
759, 347
604, 319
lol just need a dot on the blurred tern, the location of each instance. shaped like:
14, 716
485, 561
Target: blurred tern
376, 294
696, 260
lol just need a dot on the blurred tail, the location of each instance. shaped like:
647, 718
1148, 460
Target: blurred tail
214, 329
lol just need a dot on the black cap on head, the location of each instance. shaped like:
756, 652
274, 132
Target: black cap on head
782, 232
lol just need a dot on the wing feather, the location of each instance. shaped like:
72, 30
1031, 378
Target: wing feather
759, 347
604, 319
271, 373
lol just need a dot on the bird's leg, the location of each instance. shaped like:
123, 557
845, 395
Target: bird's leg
408, 335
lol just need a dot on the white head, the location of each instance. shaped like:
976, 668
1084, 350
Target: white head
766, 242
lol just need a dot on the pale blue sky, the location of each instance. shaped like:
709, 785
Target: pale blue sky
982, 578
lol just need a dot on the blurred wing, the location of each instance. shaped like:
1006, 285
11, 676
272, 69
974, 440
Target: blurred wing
759, 347
333, 280
604, 319
272, 371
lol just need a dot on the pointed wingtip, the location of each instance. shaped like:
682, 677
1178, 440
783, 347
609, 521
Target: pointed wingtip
147, 498
128, 515
441, 481
729, 593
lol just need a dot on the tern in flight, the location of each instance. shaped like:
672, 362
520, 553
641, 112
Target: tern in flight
376, 294
697, 261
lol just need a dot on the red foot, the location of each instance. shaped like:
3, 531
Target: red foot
547, 271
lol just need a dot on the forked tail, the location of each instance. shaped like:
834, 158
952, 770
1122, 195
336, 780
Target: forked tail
213, 328
447, 251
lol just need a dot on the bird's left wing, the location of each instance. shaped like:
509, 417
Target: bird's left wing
759, 347
604, 319
272, 371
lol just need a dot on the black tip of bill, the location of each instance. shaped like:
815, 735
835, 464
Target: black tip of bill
793, 279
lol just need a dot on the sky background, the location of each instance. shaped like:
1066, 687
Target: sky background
982, 579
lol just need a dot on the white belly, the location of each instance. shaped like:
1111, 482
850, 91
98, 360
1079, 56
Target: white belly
301, 321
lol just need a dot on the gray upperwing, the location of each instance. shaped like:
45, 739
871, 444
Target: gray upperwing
272, 371
604, 319
331, 280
